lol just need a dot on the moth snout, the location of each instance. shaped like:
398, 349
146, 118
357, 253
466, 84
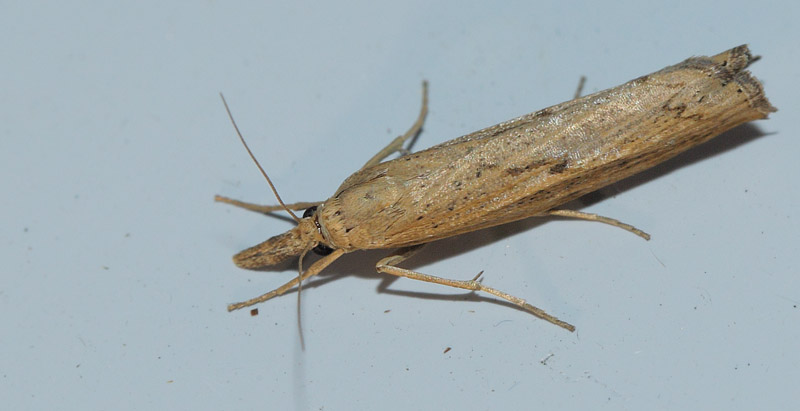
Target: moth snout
274, 250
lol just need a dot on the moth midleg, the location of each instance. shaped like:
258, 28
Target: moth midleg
397, 144
594, 217
388, 265
266, 208
315, 269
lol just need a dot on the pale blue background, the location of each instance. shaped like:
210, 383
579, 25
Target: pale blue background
116, 263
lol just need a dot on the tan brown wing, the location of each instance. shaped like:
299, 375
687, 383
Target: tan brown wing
539, 161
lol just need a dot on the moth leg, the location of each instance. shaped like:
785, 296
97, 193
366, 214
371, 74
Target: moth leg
312, 271
266, 208
581, 83
594, 217
388, 265
397, 144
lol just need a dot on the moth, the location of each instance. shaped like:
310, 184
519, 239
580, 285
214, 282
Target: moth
525, 167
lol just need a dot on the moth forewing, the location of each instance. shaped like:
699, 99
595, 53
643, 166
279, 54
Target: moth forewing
537, 162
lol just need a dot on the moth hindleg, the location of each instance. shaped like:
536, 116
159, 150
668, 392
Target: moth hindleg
388, 265
594, 217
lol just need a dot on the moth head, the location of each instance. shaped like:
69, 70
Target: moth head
320, 249
297, 241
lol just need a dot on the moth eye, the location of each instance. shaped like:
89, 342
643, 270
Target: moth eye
322, 250
309, 211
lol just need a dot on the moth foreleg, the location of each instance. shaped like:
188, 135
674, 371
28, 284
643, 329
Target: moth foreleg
266, 208
315, 269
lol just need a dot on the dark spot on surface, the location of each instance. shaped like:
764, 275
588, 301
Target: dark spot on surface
368, 196
515, 171
701, 99
436, 226
451, 208
347, 230
739, 90
478, 174
419, 218
337, 213
559, 168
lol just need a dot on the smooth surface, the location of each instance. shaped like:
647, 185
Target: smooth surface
117, 263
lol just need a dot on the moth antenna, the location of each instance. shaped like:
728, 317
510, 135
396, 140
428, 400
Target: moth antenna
264, 173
